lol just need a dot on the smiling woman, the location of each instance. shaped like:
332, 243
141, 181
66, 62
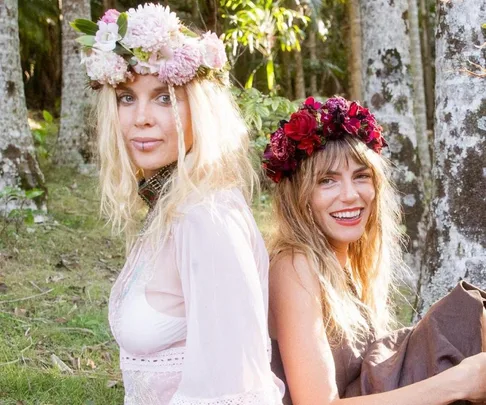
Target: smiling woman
189, 309
334, 253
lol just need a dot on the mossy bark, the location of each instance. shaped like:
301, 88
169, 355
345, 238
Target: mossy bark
456, 244
388, 92
18, 163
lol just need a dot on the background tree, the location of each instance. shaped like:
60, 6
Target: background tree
18, 167
456, 245
73, 142
388, 91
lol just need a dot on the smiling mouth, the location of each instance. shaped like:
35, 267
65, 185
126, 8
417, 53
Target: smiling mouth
348, 215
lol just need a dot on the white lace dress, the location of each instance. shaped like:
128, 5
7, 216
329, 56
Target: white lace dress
191, 320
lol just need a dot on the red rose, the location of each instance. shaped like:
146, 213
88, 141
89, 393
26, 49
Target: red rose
309, 143
301, 124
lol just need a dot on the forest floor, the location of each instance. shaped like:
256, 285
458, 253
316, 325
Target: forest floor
55, 279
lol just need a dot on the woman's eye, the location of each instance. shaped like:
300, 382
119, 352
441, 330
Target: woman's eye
326, 181
164, 99
125, 99
364, 176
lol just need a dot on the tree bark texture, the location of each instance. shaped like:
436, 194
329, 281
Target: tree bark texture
355, 59
427, 61
73, 147
18, 163
419, 105
456, 245
299, 75
312, 46
388, 92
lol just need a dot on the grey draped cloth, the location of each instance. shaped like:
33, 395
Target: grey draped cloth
449, 332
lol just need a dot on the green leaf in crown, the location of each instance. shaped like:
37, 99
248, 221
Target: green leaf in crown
85, 26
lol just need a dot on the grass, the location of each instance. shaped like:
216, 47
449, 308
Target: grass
55, 278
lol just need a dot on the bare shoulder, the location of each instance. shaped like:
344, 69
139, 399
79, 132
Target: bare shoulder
293, 270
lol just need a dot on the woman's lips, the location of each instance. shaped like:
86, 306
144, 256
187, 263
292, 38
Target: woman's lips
145, 144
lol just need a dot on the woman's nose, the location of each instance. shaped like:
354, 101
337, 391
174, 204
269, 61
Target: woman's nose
349, 192
144, 116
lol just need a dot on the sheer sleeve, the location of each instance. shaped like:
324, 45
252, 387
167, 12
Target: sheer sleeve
226, 360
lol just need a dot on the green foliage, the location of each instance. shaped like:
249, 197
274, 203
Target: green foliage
262, 114
84, 26
44, 133
262, 25
122, 24
24, 213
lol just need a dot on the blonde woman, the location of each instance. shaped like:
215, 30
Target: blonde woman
189, 309
336, 247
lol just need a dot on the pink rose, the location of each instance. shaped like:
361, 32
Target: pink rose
213, 52
110, 16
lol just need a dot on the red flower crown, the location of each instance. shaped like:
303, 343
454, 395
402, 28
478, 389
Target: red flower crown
311, 127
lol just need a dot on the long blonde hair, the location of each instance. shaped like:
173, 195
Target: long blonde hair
218, 159
373, 258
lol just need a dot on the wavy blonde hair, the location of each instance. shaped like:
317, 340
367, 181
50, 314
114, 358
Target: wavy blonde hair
373, 259
218, 159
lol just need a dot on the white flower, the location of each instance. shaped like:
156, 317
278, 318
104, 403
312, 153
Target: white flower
106, 67
106, 36
152, 27
214, 54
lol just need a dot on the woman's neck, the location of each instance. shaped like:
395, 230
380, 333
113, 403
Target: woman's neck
341, 253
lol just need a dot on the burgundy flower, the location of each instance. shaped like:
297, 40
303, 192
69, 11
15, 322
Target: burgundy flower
313, 103
301, 123
282, 146
335, 104
352, 125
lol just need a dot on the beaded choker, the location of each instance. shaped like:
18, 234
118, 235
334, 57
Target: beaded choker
149, 190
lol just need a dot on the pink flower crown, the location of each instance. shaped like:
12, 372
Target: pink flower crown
311, 127
148, 40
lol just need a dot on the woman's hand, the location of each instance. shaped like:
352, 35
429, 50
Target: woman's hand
473, 377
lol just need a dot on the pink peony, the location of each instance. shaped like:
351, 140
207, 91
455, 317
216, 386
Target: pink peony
106, 67
182, 67
213, 52
110, 16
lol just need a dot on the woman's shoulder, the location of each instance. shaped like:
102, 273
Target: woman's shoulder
213, 208
293, 266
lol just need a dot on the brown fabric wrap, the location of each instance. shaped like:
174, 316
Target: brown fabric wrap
449, 332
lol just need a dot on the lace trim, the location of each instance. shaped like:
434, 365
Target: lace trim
265, 397
166, 360
169, 360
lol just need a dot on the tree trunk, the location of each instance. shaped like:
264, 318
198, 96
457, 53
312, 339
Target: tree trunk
428, 68
108, 4
420, 109
355, 58
311, 45
387, 89
299, 75
285, 58
456, 246
18, 163
73, 147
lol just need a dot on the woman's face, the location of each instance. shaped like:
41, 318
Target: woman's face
341, 202
148, 124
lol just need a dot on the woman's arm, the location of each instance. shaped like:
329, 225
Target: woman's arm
226, 359
308, 363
